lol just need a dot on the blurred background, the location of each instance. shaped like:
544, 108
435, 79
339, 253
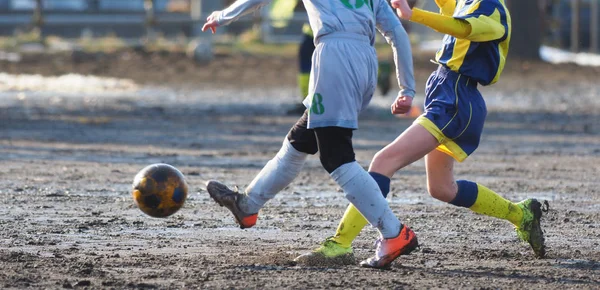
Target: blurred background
92, 91
569, 25
156, 47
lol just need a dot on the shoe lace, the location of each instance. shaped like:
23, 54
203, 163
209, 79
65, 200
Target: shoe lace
378, 244
329, 240
545, 206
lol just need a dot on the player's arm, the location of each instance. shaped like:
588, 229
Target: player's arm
482, 25
442, 23
390, 27
236, 10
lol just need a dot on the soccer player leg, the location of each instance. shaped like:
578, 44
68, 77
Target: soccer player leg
276, 175
414, 143
386, 162
280, 171
353, 221
442, 186
363, 192
480, 199
338, 249
393, 157
458, 125
337, 157
331, 251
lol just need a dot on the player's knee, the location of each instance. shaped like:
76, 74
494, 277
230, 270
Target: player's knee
445, 193
302, 138
378, 159
384, 163
331, 162
335, 147
435, 191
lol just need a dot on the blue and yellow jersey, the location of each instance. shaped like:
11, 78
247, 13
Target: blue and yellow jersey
481, 55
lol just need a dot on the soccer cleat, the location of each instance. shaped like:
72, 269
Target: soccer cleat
229, 199
390, 249
530, 230
329, 253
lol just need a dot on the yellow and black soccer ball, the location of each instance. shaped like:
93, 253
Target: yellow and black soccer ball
159, 190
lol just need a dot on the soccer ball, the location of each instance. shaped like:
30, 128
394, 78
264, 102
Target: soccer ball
159, 190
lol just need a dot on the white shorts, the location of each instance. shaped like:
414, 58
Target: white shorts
343, 80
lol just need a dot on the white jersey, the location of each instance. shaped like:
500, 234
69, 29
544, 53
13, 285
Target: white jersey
360, 17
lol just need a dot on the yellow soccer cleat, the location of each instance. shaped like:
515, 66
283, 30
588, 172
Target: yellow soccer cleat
329, 253
530, 229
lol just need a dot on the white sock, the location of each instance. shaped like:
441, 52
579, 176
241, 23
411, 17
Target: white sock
275, 176
364, 193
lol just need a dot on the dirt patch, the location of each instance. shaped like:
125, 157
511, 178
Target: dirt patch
171, 68
68, 219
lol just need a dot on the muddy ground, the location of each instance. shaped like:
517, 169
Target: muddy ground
69, 155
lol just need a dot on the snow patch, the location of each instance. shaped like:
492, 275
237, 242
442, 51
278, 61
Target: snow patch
556, 56
69, 83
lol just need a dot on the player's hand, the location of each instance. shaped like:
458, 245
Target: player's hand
402, 9
211, 22
402, 105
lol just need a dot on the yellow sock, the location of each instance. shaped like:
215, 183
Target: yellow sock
350, 226
491, 204
303, 80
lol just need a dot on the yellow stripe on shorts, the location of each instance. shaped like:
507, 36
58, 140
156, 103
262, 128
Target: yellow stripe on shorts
447, 145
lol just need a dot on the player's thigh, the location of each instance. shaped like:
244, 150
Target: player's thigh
440, 175
302, 138
414, 143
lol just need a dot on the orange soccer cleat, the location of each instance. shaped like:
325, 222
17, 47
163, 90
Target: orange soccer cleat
390, 249
229, 199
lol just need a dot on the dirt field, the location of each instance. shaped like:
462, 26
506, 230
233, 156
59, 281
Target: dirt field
69, 153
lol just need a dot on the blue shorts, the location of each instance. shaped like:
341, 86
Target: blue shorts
454, 112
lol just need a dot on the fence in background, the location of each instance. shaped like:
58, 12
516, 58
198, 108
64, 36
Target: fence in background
584, 30
129, 20
572, 25
575, 24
